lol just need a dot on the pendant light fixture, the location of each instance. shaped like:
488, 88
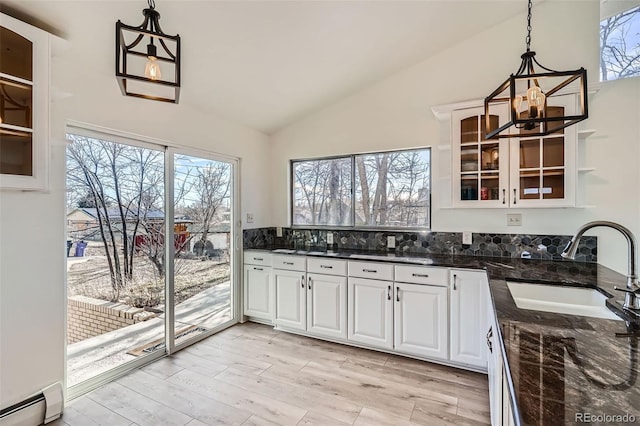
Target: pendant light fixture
148, 60
530, 93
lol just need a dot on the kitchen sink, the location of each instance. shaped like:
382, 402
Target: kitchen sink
285, 251
561, 299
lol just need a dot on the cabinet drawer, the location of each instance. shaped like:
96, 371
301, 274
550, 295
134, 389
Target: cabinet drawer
376, 271
422, 275
292, 263
257, 258
326, 266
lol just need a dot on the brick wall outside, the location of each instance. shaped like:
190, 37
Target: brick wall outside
88, 317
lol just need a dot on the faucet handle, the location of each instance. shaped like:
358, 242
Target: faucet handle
635, 291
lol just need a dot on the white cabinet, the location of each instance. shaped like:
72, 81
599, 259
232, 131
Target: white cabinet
494, 366
518, 172
24, 105
468, 319
291, 299
370, 311
327, 305
258, 286
313, 302
420, 320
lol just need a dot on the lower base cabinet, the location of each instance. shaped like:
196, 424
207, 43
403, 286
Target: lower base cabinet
421, 320
409, 318
370, 312
327, 305
291, 299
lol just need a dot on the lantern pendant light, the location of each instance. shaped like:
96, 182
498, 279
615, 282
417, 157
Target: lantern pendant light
529, 92
152, 72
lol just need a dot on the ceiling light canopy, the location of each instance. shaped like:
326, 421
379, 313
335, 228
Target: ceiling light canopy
529, 92
149, 69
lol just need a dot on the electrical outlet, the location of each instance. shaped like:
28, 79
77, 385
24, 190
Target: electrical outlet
329, 237
279, 231
391, 241
467, 237
249, 217
514, 219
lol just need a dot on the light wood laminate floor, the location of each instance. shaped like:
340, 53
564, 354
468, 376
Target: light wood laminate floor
251, 374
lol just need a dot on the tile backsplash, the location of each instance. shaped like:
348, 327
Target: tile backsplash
546, 247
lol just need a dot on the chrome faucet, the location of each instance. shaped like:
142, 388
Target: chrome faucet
632, 291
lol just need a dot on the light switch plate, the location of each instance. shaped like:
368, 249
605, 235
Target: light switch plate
329, 237
467, 237
391, 241
514, 219
249, 217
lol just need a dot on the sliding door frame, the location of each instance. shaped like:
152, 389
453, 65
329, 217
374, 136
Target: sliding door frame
169, 149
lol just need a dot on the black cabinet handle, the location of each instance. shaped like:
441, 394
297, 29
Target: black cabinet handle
489, 342
455, 278
258, 269
302, 281
373, 271
258, 258
388, 292
309, 281
397, 294
514, 195
421, 275
504, 196
288, 263
326, 266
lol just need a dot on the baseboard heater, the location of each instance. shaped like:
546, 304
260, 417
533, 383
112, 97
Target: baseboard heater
43, 407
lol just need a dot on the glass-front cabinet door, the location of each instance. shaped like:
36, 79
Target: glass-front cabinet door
24, 105
480, 166
543, 168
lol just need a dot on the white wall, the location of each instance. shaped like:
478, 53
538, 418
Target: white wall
396, 113
32, 225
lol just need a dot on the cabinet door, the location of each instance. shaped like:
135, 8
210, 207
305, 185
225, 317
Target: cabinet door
421, 320
24, 105
480, 167
291, 299
258, 292
469, 317
327, 305
543, 167
371, 312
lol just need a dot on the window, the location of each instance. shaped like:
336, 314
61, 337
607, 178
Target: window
376, 190
619, 43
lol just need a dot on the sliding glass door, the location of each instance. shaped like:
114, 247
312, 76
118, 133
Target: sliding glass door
203, 236
150, 254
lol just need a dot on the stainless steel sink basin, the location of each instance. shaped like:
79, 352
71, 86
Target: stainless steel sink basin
587, 302
284, 251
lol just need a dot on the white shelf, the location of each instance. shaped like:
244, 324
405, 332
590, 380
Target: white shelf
583, 134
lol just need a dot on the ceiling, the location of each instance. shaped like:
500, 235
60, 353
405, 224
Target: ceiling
266, 64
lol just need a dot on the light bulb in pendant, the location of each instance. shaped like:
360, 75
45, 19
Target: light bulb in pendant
517, 103
535, 99
152, 67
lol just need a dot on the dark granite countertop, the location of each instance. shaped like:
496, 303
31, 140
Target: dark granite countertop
563, 369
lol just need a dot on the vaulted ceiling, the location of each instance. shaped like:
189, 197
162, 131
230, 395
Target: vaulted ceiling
267, 63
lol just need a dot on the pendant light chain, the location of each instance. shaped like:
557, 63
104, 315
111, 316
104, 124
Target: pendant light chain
528, 39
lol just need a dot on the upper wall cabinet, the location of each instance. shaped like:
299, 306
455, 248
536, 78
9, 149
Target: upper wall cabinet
24, 105
518, 172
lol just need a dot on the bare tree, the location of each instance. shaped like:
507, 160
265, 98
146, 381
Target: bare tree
127, 178
211, 185
617, 58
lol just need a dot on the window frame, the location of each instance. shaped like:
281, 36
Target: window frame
354, 226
